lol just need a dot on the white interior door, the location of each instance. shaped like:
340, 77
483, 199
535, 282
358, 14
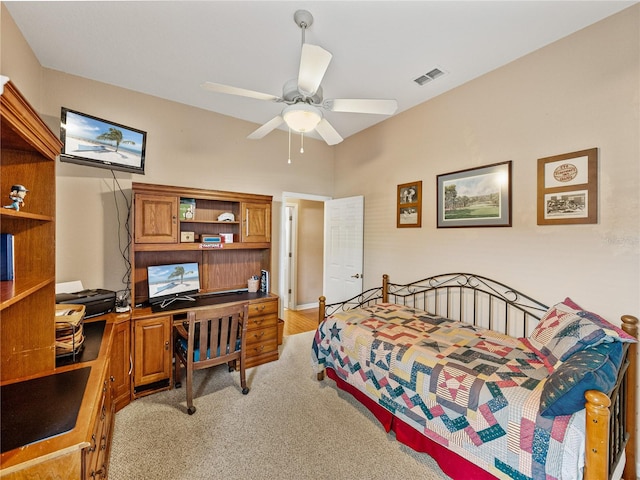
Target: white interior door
343, 248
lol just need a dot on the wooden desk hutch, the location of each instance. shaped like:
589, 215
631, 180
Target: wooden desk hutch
158, 234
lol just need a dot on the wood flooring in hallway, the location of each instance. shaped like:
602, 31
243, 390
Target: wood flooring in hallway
300, 321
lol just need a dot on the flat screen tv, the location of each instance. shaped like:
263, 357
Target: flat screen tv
89, 140
168, 283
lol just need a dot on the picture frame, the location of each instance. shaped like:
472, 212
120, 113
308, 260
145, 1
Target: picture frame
475, 197
409, 211
568, 188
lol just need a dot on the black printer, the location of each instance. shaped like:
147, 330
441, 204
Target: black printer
96, 302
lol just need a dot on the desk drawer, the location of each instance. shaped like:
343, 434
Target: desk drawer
263, 308
261, 335
262, 321
261, 347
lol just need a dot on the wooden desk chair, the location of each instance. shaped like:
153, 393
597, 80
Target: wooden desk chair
209, 337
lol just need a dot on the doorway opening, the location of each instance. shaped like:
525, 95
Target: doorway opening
301, 257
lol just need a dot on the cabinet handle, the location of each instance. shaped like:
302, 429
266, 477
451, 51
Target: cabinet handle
93, 440
166, 345
174, 219
112, 378
130, 365
100, 472
246, 223
259, 335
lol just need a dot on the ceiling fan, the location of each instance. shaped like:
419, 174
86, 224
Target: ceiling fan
303, 95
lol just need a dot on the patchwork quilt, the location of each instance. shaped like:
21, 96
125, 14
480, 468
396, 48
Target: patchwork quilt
474, 391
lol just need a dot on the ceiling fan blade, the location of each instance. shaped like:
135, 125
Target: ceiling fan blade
268, 127
314, 62
328, 133
361, 105
219, 88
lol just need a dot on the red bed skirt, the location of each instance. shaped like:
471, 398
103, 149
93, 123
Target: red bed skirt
451, 463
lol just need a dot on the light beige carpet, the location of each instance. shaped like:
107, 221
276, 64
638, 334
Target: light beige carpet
289, 426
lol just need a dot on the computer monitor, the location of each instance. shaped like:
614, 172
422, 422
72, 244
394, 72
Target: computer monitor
168, 283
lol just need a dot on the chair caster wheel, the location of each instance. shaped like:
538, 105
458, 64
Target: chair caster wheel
191, 410
231, 369
177, 385
245, 390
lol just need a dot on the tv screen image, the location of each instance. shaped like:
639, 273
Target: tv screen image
89, 140
172, 282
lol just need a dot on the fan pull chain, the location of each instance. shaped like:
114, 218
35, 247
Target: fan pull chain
301, 142
289, 162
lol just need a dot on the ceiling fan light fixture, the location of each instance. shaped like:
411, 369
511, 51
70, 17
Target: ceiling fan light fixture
302, 117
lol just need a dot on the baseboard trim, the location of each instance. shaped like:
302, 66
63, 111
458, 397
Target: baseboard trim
307, 306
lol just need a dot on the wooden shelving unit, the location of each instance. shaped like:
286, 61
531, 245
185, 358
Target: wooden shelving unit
27, 304
227, 266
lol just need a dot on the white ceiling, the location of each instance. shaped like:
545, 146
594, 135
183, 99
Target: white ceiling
168, 48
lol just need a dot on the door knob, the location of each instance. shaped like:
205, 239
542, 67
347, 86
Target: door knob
357, 275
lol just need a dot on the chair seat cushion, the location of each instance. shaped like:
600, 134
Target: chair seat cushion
181, 345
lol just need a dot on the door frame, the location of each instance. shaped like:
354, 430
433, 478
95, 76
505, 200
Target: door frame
283, 254
290, 274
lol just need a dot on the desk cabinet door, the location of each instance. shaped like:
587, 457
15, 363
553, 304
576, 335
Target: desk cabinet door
156, 218
152, 356
121, 363
96, 461
256, 222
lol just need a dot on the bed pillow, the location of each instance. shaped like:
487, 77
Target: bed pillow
566, 329
595, 368
548, 328
611, 333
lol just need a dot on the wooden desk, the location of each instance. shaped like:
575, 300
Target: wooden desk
153, 342
84, 448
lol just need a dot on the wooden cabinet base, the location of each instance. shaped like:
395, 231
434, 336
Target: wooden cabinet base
60, 465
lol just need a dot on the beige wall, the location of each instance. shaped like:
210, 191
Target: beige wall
310, 251
578, 93
185, 146
18, 61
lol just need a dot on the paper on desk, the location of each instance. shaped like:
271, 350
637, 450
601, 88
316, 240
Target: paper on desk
69, 287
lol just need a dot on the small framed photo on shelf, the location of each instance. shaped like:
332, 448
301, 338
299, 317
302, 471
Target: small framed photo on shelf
568, 188
476, 197
409, 211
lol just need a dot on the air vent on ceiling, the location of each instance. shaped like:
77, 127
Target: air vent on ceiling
427, 77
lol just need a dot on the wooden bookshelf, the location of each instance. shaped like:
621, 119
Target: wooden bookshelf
27, 304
